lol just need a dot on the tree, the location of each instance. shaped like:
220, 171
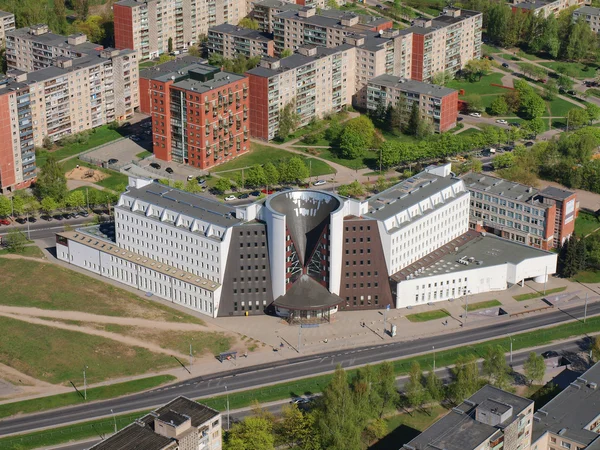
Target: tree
253, 433
194, 50
593, 112
474, 103
75, 199
170, 45
475, 69
386, 387
535, 367
92, 27
354, 189
466, 378
442, 78
389, 155
297, 429
414, 119
286, 52
416, 394
193, 187
51, 180
513, 100
271, 174
576, 118
222, 185
288, 121
503, 161
60, 16
5, 206
495, 367
356, 137
564, 82
595, 348
533, 106
294, 171
533, 127
255, 176
435, 387
48, 205
550, 90
332, 4
18, 204
499, 107
248, 22
15, 240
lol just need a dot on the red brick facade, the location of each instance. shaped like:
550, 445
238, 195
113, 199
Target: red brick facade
123, 19
259, 107
416, 71
449, 112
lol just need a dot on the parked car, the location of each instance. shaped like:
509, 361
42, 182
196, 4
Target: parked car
169, 170
515, 124
201, 181
230, 198
571, 92
113, 161
32, 219
529, 144
146, 125
255, 193
155, 166
475, 114
268, 192
505, 65
84, 213
542, 80
243, 196
502, 121
319, 183
190, 177
21, 220
4, 221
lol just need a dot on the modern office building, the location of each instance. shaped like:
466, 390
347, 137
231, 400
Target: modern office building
542, 8
489, 419
230, 41
304, 254
148, 26
590, 14
180, 424
571, 420
68, 94
7, 23
199, 113
317, 80
437, 104
543, 219
445, 43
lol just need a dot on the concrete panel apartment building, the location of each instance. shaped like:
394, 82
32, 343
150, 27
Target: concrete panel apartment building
148, 25
230, 40
317, 80
544, 9
590, 14
7, 23
74, 86
438, 105
543, 219
199, 113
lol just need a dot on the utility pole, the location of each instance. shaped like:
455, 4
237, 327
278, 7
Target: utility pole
467, 307
87, 199
585, 308
191, 363
227, 393
545, 279
84, 383
242, 178
387, 308
433, 347
511, 348
299, 337
115, 419
309, 170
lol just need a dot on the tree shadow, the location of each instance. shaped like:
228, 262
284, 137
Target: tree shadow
394, 440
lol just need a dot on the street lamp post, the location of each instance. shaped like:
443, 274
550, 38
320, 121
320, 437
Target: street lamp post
511, 349
227, 394
115, 419
84, 383
433, 347
191, 363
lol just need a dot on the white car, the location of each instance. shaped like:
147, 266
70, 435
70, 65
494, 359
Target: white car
190, 177
475, 114
502, 121
230, 198
319, 183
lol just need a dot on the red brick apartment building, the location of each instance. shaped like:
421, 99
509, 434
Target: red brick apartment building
199, 113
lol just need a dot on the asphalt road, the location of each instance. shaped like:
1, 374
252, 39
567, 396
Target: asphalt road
250, 377
43, 229
564, 348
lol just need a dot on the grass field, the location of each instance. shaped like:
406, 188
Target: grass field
531, 295
73, 398
586, 223
57, 356
580, 70
470, 132
428, 315
483, 305
115, 180
509, 56
311, 385
586, 276
143, 154
58, 288
99, 136
31, 251
402, 428
262, 154
480, 87
487, 49
560, 107
527, 56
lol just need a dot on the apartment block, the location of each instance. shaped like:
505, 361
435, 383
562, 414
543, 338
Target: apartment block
199, 113
571, 420
445, 43
542, 8
591, 15
542, 219
489, 419
70, 96
7, 23
317, 80
438, 105
265, 11
35, 47
230, 40
292, 29
180, 424
148, 25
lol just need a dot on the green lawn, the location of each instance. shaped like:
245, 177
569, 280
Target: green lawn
262, 154
428, 315
73, 398
527, 56
531, 295
370, 159
144, 154
146, 64
58, 288
480, 87
510, 57
115, 181
580, 70
31, 251
99, 136
470, 132
560, 107
483, 305
487, 49
402, 428
57, 356
586, 276
285, 390
586, 223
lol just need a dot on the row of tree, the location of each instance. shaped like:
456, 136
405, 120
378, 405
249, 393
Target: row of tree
239, 64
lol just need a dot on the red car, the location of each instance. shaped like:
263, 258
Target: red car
4, 222
269, 192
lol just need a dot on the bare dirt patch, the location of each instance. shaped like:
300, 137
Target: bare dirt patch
85, 174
